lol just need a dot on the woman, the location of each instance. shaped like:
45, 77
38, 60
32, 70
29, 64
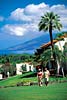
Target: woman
39, 75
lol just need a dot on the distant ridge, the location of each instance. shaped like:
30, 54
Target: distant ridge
31, 44
28, 46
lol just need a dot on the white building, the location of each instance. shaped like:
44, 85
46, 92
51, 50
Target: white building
24, 67
1, 76
60, 44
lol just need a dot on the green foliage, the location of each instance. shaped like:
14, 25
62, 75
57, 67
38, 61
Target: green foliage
46, 56
59, 35
48, 20
16, 58
58, 52
7, 68
1, 70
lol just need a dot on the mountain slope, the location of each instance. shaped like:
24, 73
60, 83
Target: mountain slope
28, 46
32, 44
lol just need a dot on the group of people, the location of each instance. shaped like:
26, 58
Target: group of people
43, 75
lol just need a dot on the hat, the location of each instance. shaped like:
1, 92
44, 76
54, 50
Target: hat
39, 69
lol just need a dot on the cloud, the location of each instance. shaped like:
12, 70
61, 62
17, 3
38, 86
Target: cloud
14, 30
30, 17
58, 7
18, 15
36, 9
19, 30
1, 18
29, 13
62, 12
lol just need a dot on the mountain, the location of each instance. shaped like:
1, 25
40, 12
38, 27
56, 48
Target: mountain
31, 44
28, 46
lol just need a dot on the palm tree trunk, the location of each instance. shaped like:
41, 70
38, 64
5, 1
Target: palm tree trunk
54, 64
51, 37
62, 71
60, 46
58, 66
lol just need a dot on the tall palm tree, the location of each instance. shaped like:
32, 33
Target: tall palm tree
49, 22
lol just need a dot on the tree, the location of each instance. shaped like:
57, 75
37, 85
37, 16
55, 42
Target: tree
46, 56
49, 22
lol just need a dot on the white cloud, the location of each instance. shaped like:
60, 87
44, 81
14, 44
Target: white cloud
58, 7
19, 30
30, 17
62, 12
14, 30
1, 18
29, 13
18, 15
36, 9
64, 20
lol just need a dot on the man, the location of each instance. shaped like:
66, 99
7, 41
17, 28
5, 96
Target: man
46, 75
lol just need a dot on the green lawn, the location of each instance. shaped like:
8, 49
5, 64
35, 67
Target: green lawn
12, 81
56, 91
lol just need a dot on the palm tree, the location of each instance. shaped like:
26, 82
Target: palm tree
49, 22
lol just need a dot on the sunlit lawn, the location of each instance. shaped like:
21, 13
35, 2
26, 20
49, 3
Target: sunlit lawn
55, 91
12, 81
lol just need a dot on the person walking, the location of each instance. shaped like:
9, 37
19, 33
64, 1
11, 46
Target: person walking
39, 76
46, 76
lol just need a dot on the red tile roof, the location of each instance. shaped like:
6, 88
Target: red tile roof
54, 41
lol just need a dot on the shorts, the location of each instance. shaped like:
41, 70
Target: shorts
46, 79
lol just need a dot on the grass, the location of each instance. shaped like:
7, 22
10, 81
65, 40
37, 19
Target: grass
56, 91
18, 78
12, 81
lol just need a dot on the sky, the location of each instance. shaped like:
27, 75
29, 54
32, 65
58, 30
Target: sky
19, 19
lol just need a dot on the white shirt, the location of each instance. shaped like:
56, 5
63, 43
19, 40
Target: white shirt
47, 73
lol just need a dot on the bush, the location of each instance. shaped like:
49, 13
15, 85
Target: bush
20, 84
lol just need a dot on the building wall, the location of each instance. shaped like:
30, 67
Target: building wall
60, 44
20, 68
1, 76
